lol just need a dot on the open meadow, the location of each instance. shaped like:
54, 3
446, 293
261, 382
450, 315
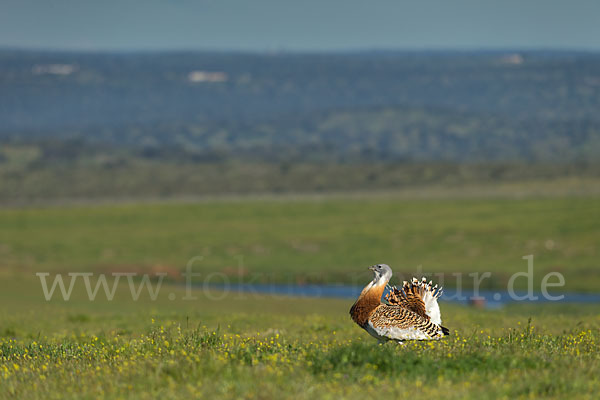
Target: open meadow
247, 345
323, 240
251, 346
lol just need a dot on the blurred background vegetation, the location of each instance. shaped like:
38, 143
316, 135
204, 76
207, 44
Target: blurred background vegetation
76, 125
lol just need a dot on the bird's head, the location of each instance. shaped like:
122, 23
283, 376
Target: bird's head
382, 273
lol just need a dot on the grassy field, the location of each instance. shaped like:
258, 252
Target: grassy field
232, 345
319, 240
250, 346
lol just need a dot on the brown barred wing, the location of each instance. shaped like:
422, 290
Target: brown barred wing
409, 297
399, 323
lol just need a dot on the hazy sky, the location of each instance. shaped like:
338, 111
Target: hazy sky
299, 24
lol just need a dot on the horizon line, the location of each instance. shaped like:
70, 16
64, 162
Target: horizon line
291, 51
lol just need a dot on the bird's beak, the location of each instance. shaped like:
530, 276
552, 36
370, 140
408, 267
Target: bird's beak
372, 268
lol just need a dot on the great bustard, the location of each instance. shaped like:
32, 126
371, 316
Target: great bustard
412, 313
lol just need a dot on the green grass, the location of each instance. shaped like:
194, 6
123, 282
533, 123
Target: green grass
253, 346
327, 240
248, 346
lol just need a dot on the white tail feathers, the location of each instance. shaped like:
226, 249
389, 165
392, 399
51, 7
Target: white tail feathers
430, 294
